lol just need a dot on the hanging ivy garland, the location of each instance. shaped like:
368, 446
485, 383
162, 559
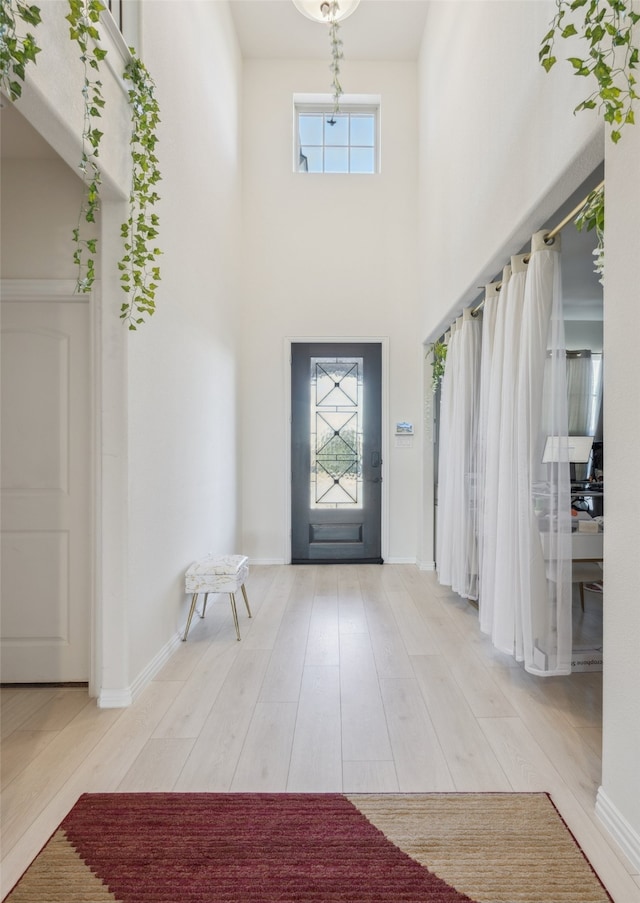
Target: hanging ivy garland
439, 353
16, 52
612, 56
139, 273
592, 217
83, 17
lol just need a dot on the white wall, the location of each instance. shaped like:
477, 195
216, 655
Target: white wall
499, 154
326, 256
182, 373
40, 203
500, 147
619, 798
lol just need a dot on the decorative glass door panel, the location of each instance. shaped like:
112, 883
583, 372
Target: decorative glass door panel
335, 454
336, 438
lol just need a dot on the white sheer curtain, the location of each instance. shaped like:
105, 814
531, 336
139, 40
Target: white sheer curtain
456, 538
489, 313
465, 561
504, 471
491, 466
506, 568
444, 521
543, 612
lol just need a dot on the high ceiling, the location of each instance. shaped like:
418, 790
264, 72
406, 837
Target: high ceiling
377, 30
275, 29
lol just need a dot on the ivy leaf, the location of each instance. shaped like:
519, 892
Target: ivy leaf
606, 27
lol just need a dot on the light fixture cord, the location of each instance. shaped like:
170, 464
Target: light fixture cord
336, 53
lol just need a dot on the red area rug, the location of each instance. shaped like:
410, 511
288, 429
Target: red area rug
281, 848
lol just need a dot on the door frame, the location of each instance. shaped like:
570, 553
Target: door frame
25, 291
383, 341
108, 640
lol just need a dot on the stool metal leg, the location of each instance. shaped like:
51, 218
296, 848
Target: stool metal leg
234, 612
204, 607
246, 601
191, 611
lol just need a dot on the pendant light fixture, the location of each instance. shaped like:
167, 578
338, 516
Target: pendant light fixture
331, 13
320, 10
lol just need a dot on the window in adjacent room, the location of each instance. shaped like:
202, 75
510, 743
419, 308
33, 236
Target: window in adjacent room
342, 142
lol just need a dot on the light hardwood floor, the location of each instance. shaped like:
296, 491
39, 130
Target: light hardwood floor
348, 678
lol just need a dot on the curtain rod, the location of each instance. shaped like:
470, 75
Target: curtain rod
551, 234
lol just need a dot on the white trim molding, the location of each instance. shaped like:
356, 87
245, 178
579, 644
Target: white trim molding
616, 824
114, 699
266, 561
119, 699
427, 565
42, 290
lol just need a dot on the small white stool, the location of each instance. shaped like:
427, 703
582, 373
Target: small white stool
217, 574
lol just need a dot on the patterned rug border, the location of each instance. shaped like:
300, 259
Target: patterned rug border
351, 797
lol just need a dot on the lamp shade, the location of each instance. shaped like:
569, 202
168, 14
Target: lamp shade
318, 10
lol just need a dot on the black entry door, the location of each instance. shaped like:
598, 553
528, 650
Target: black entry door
336, 464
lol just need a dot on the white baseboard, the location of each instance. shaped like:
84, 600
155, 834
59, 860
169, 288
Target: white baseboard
261, 561
114, 699
119, 699
427, 565
616, 824
399, 561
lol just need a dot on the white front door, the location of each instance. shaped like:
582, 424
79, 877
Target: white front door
46, 491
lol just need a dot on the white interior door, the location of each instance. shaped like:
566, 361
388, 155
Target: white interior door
46, 491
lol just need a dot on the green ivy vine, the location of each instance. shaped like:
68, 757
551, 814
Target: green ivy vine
139, 271
611, 55
16, 52
438, 351
83, 18
591, 217
138, 268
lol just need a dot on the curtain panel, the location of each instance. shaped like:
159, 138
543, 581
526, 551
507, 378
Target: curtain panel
504, 522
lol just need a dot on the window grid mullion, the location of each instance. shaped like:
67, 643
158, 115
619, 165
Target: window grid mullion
338, 151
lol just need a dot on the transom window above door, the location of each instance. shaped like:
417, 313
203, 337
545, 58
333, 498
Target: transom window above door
326, 141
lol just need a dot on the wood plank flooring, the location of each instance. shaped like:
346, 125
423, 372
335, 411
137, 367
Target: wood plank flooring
354, 678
